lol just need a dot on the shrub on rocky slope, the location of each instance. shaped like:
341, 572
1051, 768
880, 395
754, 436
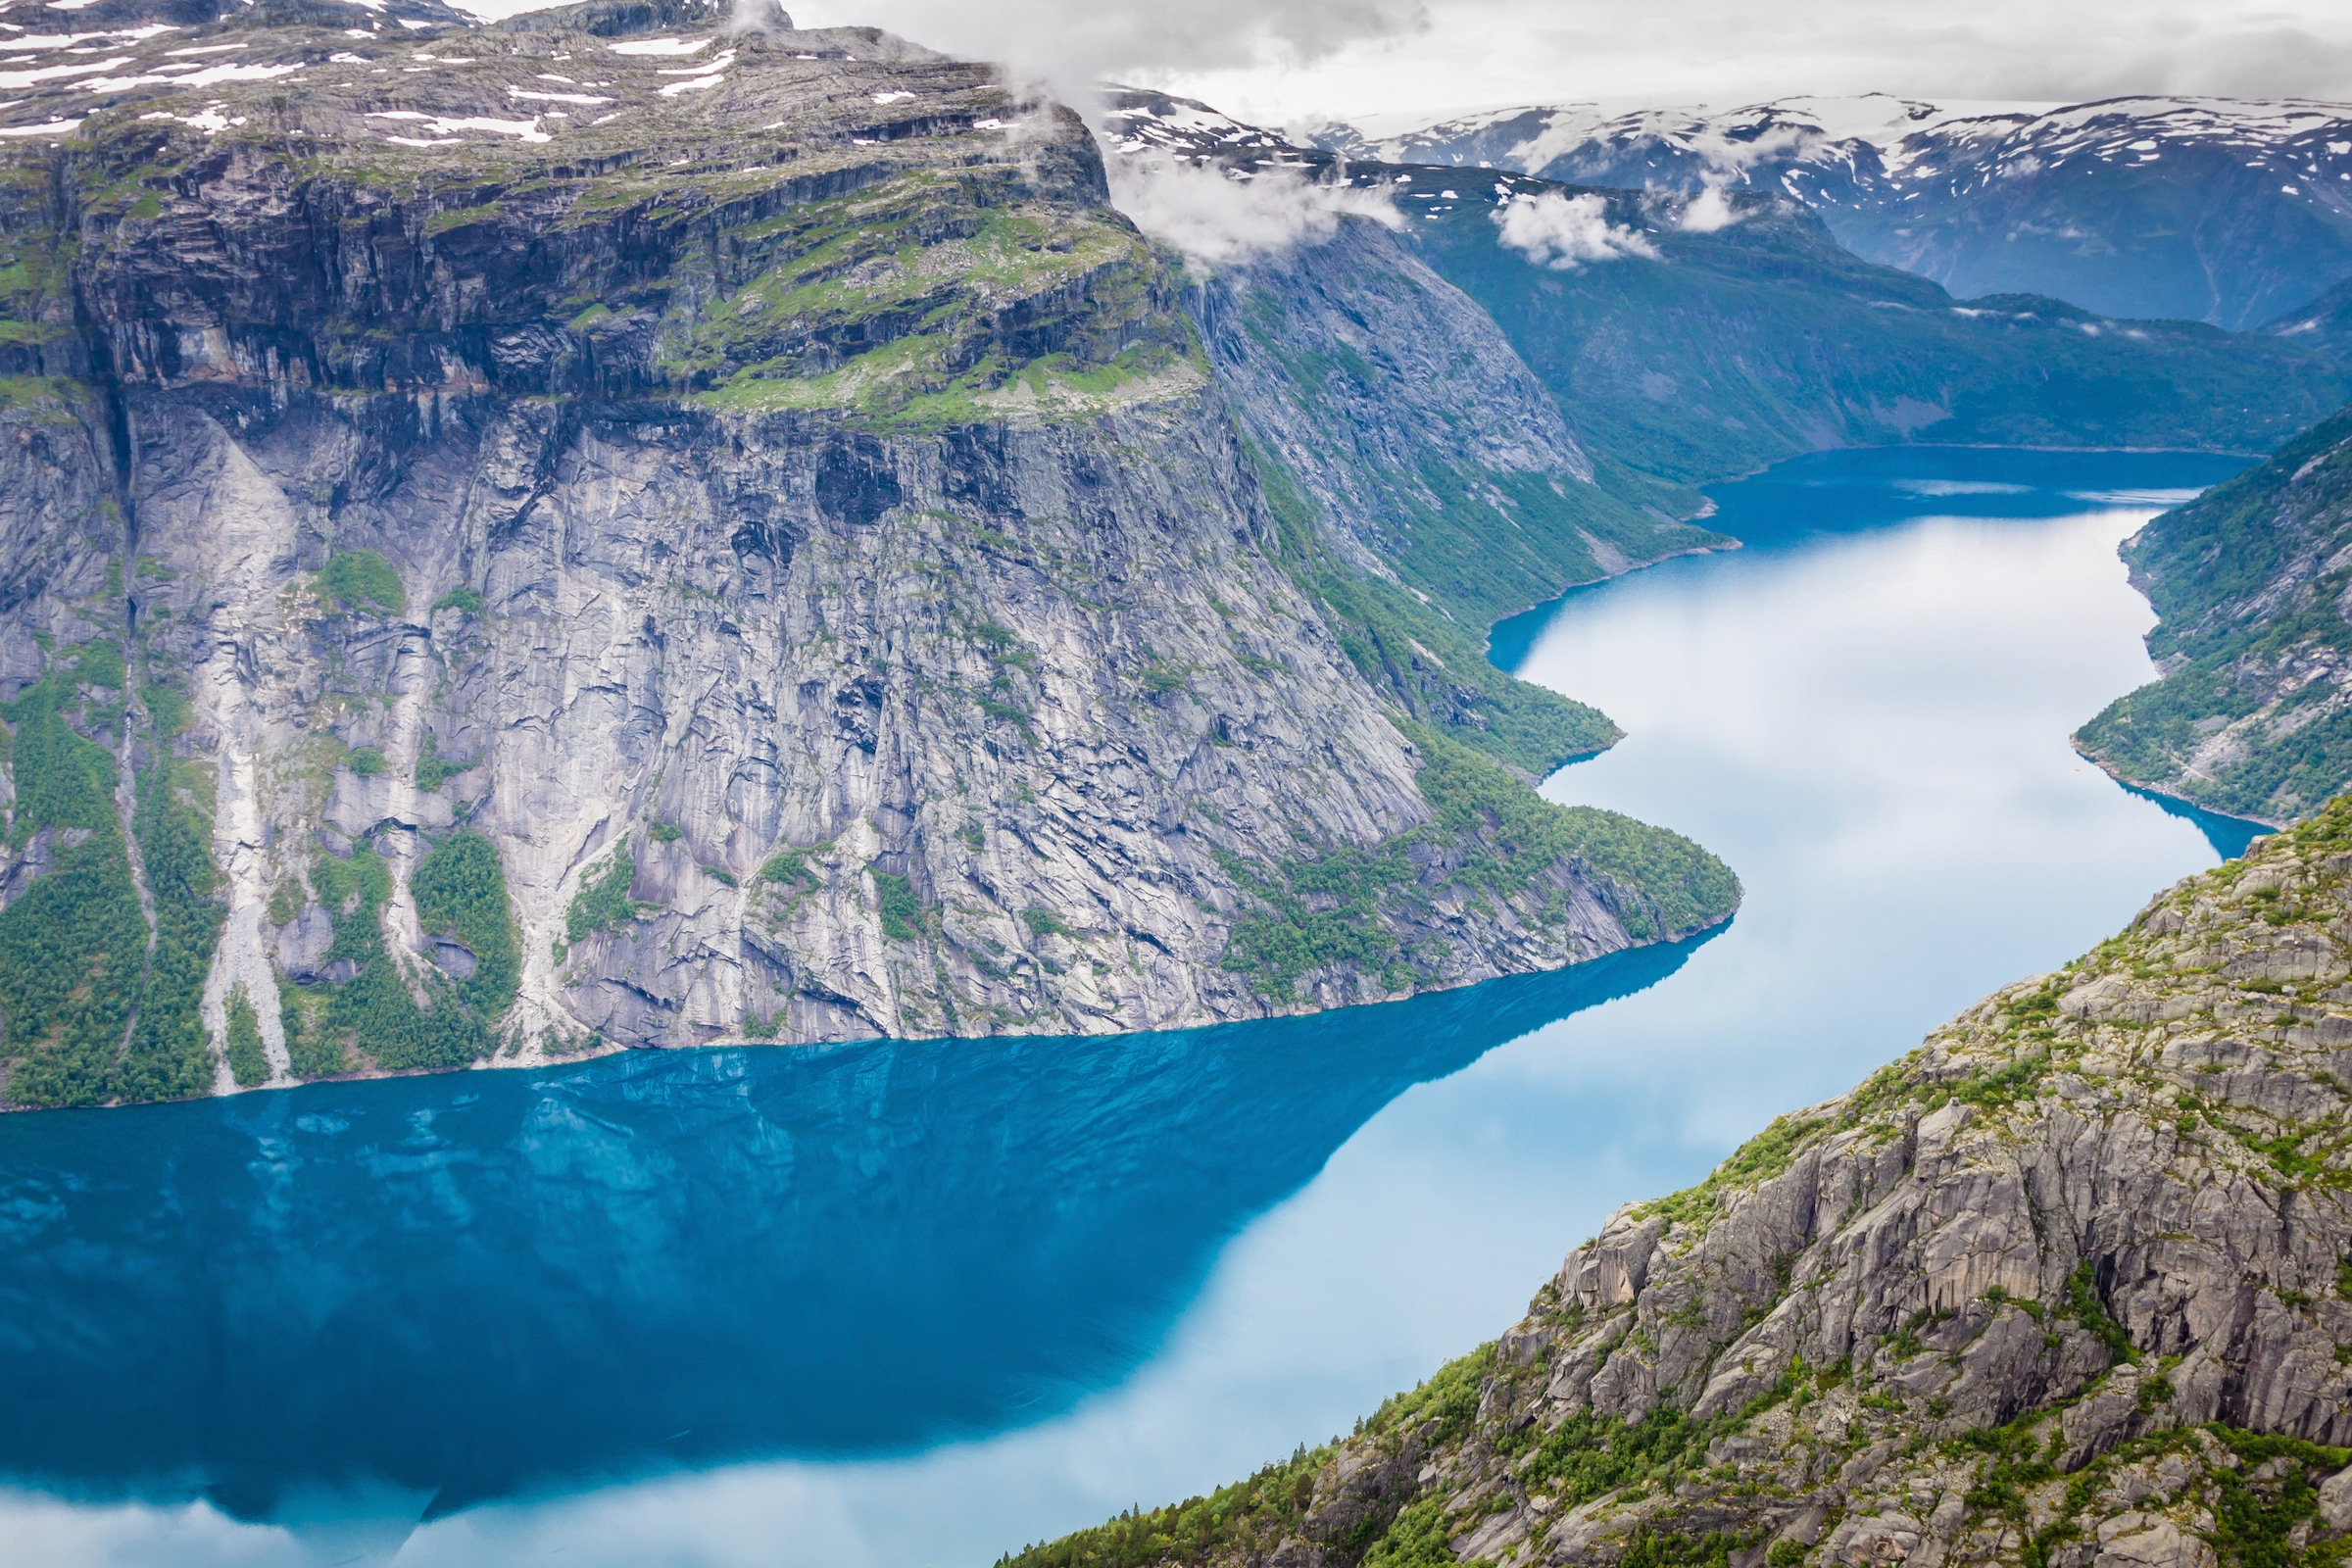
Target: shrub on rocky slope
2250, 713
2070, 1284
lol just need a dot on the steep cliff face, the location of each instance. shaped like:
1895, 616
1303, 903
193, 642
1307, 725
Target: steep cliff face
2252, 713
1402, 408
618, 528
1422, 480
2066, 1285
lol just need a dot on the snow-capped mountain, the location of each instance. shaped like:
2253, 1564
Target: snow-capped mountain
2217, 210
1138, 120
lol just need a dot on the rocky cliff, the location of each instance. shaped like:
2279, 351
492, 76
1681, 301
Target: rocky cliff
624, 529
2251, 713
2069, 1285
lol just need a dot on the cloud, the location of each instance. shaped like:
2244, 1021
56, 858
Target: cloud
1725, 53
1073, 42
1563, 232
1708, 211
1728, 159
1219, 220
1278, 62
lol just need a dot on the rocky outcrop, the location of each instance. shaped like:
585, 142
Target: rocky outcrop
631, 528
2069, 1285
2252, 713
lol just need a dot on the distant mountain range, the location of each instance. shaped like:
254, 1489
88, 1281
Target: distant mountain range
1725, 336
2237, 213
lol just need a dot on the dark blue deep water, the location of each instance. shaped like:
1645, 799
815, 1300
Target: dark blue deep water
467, 1283
898, 1304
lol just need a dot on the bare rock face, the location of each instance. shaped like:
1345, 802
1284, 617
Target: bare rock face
623, 528
2069, 1285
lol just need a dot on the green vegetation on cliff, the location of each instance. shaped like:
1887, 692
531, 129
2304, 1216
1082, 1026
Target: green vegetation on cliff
72, 945
2252, 714
1427, 664
1434, 449
461, 891
884, 304
171, 1055
94, 1005
362, 579
1483, 735
603, 899
248, 1061
1246, 1520
1492, 837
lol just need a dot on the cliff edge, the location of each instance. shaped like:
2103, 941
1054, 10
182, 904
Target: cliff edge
2070, 1285
637, 527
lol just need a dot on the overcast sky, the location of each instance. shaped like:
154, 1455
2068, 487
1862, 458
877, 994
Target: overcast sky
1293, 61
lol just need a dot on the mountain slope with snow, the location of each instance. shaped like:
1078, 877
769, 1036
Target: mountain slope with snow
2215, 209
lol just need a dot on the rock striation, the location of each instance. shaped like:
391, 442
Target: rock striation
2070, 1285
639, 526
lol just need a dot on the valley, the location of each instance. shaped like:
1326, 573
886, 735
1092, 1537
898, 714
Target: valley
767, 798
1024, 1283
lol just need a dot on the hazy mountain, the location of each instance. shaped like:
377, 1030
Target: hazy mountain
1699, 337
2201, 209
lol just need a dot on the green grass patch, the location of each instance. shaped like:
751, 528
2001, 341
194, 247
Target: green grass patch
248, 1063
603, 901
460, 893
101, 665
459, 217
904, 918
363, 580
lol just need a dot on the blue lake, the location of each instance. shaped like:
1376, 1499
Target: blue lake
916, 1303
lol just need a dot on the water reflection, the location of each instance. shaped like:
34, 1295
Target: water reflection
1865, 713
2229, 835
460, 1284
1829, 495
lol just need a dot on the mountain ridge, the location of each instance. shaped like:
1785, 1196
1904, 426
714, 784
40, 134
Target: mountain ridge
2234, 212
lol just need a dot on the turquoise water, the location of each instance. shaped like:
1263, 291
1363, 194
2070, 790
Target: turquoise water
914, 1304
